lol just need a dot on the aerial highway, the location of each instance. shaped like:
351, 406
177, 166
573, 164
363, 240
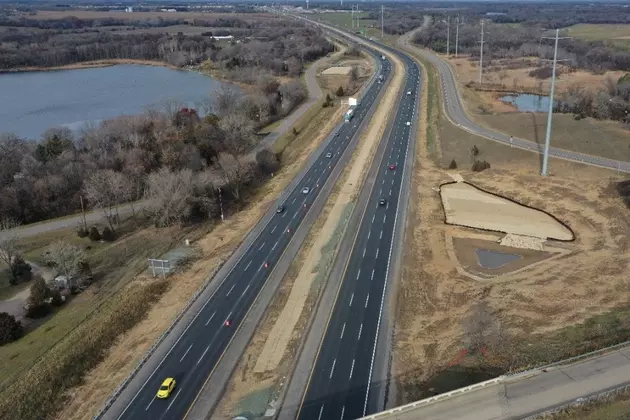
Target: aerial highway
456, 113
194, 353
341, 382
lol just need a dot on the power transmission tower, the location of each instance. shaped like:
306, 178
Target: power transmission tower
456, 35
553, 85
481, 54
448, 35
382, 23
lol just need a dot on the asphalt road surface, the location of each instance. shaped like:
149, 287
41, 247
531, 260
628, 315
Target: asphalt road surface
194, 355
455, 112
529, 395
340, 384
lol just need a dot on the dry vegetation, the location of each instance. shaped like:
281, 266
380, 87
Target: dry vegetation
453, 330
263, 372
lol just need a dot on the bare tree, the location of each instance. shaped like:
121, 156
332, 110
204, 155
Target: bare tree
238, 133
106, 189
9, 251
479, 326
226, 101
236, 172
69, 260
169, 195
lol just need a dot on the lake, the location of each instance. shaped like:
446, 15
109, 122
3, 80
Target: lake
32, 102
528, 102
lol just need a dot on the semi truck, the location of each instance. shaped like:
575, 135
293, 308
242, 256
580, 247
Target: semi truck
349, 114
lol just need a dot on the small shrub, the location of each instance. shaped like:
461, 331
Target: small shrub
480, 165
108, 235
36, 306
474, 151
20, 270
339, 91
453, 165
578, 117
295, 132
10, 328
82, 232
56, 298
94, 234
325, 105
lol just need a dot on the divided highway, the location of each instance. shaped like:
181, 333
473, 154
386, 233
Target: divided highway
194, 355
341, 383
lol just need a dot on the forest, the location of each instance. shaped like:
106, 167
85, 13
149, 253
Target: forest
276, 46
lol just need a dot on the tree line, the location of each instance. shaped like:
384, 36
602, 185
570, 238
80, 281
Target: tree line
182, 163
279, 47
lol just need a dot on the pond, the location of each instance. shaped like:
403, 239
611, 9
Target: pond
35, 101
527, 102
494, 259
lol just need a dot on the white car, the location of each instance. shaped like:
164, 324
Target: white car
408, 123
328, 155
306, 190
408, 92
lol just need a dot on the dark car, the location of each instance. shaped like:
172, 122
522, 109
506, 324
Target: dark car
280, 209
382, 202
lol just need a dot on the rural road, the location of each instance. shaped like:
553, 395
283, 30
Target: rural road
518, 398
456, 113
191, 353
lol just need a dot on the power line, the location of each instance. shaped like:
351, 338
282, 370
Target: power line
382, 24
448, 35
481, 54
456, 35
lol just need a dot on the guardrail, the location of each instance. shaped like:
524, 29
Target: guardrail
435, 398
155, 345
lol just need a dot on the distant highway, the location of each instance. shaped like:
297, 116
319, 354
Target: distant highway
456, 113
197, 349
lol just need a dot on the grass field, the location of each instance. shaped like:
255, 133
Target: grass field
616, 34
615, 408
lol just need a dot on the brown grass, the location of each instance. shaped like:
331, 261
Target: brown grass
534, 305
94, 14
94, 64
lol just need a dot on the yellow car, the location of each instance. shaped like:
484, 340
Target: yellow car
167, 387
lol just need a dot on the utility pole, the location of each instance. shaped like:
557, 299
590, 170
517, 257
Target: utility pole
456, 35
83, 213
352, 17
481, 54
382, 22
448, 35
553, 85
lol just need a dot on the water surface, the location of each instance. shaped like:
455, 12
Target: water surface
35, 101
528, 102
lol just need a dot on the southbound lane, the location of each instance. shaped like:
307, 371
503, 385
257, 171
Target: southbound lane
197, 351
340, 384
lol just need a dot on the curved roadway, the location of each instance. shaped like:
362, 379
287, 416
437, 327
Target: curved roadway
192, 357
454, 109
